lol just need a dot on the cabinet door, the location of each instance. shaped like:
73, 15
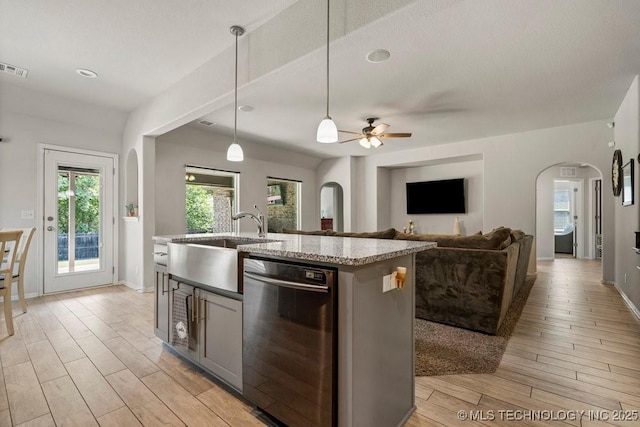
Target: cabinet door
161, 303
221, 337
183, 319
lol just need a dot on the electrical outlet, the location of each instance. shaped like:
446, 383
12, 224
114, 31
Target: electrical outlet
28, 214
389, 282
625, 277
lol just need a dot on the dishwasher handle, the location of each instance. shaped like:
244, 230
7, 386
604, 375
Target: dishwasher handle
287, 283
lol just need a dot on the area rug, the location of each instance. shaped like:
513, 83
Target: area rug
444, 350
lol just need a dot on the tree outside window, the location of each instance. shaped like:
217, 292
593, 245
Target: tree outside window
210, 199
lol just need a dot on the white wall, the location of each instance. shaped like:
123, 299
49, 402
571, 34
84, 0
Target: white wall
627, 137
26, 119
471, 170
544, 211
190, 145
511, 166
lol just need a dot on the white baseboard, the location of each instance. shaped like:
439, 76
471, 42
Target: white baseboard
131, 285
14, 297
545, 259
608, 283
629, 303
135, 287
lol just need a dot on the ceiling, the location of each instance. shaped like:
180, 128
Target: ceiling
465, 69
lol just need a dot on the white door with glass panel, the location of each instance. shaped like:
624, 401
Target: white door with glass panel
78, 220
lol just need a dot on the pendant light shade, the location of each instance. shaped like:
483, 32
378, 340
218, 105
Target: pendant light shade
327, 129
234, 152
365, 143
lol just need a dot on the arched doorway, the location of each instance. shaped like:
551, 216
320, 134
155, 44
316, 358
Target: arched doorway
331, 206
569, 212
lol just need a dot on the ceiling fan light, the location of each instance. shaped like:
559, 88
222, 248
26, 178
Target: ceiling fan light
375, 142
327, 131
365, 143
234, 153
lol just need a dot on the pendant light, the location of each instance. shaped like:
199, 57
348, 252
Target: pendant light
327, 130
234, 152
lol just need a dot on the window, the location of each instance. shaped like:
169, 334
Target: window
562, 215
210, 200
283, 204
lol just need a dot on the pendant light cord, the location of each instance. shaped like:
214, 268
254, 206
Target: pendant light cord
235, 102
328, 9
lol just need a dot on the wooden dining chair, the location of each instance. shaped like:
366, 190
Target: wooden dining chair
9, 244
21, 261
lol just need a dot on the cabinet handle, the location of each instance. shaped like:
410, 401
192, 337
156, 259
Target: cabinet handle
204, 318
164, 276
196, 307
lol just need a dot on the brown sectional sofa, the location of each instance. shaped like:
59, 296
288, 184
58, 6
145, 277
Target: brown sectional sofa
467, 281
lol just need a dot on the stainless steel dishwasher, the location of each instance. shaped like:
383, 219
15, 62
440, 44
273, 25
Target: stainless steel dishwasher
290, 341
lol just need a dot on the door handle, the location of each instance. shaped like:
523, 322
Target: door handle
50, 228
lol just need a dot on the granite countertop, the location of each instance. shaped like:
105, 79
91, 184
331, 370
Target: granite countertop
327, 249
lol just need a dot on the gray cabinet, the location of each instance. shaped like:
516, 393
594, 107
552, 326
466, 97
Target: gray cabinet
220, 325
161, 303
207, 329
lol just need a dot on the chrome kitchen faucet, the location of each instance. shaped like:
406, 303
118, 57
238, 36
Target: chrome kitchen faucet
259, 219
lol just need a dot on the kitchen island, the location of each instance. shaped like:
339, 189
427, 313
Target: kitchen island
375, 345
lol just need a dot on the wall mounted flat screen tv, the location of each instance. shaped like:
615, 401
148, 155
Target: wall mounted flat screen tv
436, 197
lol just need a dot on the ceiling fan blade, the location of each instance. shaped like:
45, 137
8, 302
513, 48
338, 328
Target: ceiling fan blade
379, 129
395, 135
348, 140
348, 131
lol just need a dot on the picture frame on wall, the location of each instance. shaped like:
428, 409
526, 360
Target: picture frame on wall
627, 183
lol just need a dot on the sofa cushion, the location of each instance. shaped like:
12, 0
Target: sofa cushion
312, 233
384, 234
496, 239
422, 237
517, 235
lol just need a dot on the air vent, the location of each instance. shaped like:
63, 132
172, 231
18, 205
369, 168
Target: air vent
206, 123
568, 172
13, 70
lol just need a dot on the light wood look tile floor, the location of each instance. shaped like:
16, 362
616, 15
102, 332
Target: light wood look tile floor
90, 358
575, 348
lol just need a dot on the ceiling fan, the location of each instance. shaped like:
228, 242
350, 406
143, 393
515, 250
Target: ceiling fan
371, 136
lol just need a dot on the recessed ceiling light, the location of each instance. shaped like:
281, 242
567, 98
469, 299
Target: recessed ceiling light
378, 55
246, 108
87, 73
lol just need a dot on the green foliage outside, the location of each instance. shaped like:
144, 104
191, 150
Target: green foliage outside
199, 209
87, 203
